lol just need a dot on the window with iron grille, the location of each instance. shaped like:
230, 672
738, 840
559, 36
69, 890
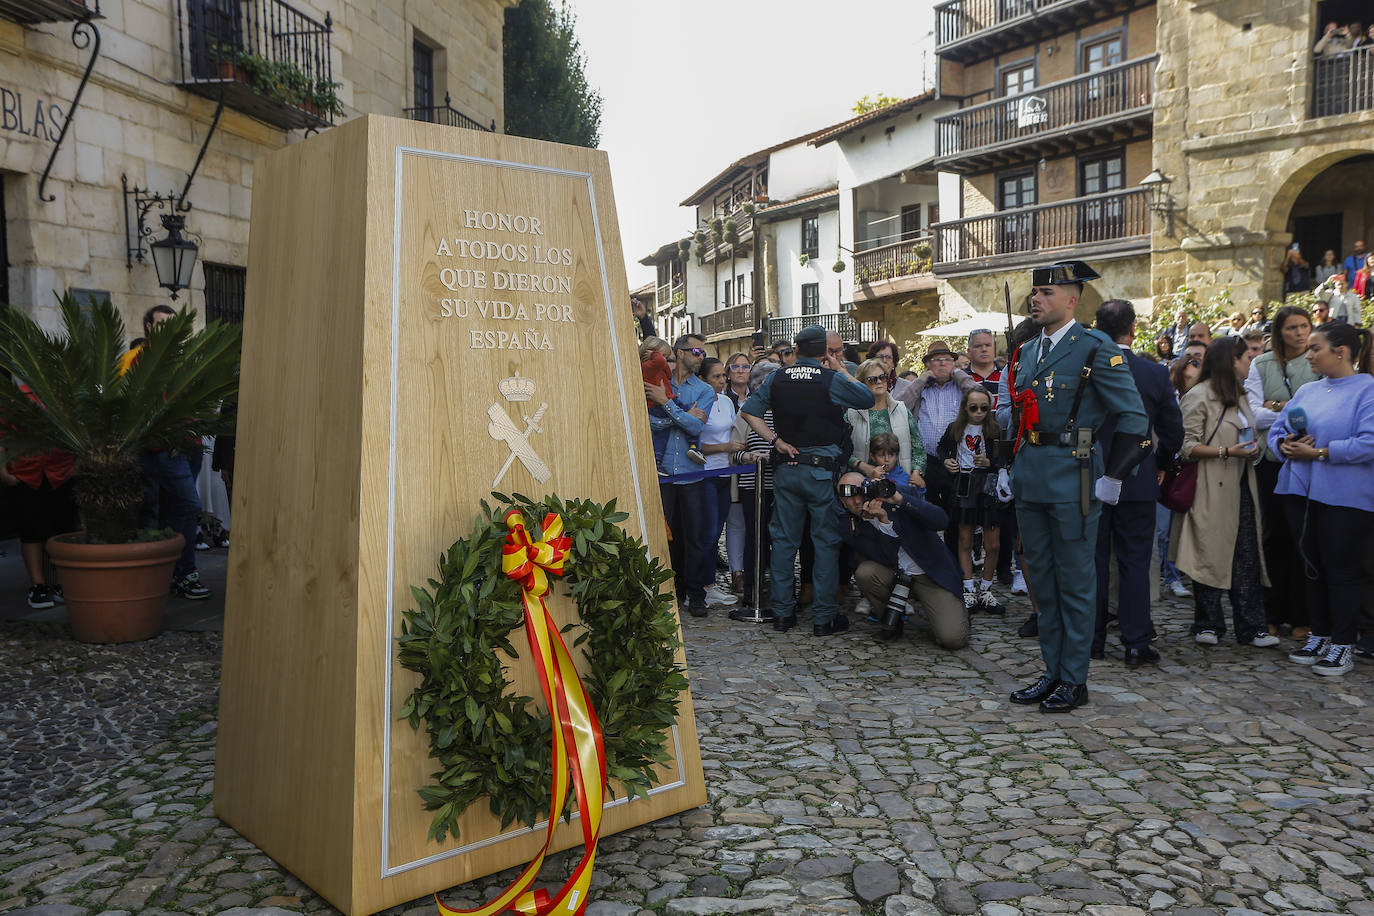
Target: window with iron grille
424, 76
811, 298
811, 236
224, 285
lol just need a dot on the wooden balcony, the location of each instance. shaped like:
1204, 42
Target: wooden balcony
1113, 223
842, 323
744, 228
447, 115
264, 58
32, 12
1343, 84
972, 29
1106, 106
901, 267
735, 321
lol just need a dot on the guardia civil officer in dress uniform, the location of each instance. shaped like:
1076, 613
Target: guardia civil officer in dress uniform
1068, 380
808, 400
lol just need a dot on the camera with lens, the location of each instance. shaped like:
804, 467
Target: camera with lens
880, 488
898, 606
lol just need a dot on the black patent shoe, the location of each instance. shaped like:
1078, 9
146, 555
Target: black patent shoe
1030, 628
1145, 655
838, 625
783, 624
1035, 692
1066, 698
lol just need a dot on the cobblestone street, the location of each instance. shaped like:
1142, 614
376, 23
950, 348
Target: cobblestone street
844, 776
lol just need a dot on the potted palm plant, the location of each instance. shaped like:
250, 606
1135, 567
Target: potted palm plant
69, 393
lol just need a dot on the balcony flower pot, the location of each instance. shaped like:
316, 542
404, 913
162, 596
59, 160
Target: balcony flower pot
114, 592
77, 399
228, 70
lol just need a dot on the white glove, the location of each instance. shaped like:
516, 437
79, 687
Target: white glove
1004, 486
1108, 490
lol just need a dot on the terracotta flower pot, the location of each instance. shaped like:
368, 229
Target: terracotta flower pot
114, 592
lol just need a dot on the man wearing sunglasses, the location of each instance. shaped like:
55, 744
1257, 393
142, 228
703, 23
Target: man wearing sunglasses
1074, 379
694, 560
787, 354
808, 401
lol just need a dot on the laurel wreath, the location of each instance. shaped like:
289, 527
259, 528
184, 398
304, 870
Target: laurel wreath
489, 741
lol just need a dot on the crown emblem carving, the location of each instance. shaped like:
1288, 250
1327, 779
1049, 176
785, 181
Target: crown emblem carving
516, 388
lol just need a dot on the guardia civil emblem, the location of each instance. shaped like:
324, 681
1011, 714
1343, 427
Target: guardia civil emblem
517, 390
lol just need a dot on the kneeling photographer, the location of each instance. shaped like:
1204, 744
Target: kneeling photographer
895, 537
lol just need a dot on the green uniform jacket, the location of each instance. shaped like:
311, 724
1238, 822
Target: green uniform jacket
1050, 473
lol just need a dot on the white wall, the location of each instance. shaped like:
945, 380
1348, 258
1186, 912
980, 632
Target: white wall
871, 153
791, 274
801, 169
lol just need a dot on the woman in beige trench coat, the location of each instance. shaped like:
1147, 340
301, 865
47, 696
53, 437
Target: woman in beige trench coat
1217, 542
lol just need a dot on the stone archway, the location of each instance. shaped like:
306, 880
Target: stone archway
1299, 175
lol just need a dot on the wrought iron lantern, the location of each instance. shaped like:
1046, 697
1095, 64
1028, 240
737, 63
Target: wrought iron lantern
174, 257
1157, 184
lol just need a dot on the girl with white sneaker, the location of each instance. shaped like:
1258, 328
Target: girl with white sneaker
1217, 542
1326, 438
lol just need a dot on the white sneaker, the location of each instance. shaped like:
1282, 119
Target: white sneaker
865, 610
1018, 584
1206, 638
1315, 648
1265, 641
1179, 590
1338, 660
971, 602
719, 597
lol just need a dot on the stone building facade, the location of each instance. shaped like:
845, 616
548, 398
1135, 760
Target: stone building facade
1050, 143
1265, 144
150, 103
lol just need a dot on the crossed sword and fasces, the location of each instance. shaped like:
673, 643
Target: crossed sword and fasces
503, 429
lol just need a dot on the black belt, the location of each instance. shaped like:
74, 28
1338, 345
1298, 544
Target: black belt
816, 461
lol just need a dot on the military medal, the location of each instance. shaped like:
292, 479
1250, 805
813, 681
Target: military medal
1049, 387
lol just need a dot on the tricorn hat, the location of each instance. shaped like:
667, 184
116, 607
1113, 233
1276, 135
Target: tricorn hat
1063, 273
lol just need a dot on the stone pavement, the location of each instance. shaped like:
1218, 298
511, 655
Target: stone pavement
844, 776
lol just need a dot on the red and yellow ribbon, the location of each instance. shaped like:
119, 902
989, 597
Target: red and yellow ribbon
530, 563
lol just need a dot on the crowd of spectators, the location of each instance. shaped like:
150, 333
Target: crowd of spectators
1275, 415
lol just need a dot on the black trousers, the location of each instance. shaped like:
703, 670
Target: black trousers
1284, 599
1128, 531
1247, 597
1330, 543
684, 508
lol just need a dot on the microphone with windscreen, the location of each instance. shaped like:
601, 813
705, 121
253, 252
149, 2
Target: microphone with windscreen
1297, 422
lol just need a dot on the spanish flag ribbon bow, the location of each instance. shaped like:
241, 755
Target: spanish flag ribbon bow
530, 563
1023, 402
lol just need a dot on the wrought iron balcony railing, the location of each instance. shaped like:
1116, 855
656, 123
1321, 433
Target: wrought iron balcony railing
447, 115
264, 58
1071, 106
1097, 222
966, 29
32, 12
1343, 84
738, 318
888, 262
841, 323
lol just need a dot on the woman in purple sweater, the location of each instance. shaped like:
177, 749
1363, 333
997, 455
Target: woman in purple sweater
1328, 475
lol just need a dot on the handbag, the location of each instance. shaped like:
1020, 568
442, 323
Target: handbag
1179, 488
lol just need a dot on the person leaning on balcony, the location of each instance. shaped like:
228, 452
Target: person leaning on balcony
1335, 40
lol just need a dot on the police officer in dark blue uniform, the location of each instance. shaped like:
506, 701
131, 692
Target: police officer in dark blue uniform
808, 400
1068, 380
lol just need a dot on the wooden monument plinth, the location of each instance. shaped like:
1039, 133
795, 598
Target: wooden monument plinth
399, 272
